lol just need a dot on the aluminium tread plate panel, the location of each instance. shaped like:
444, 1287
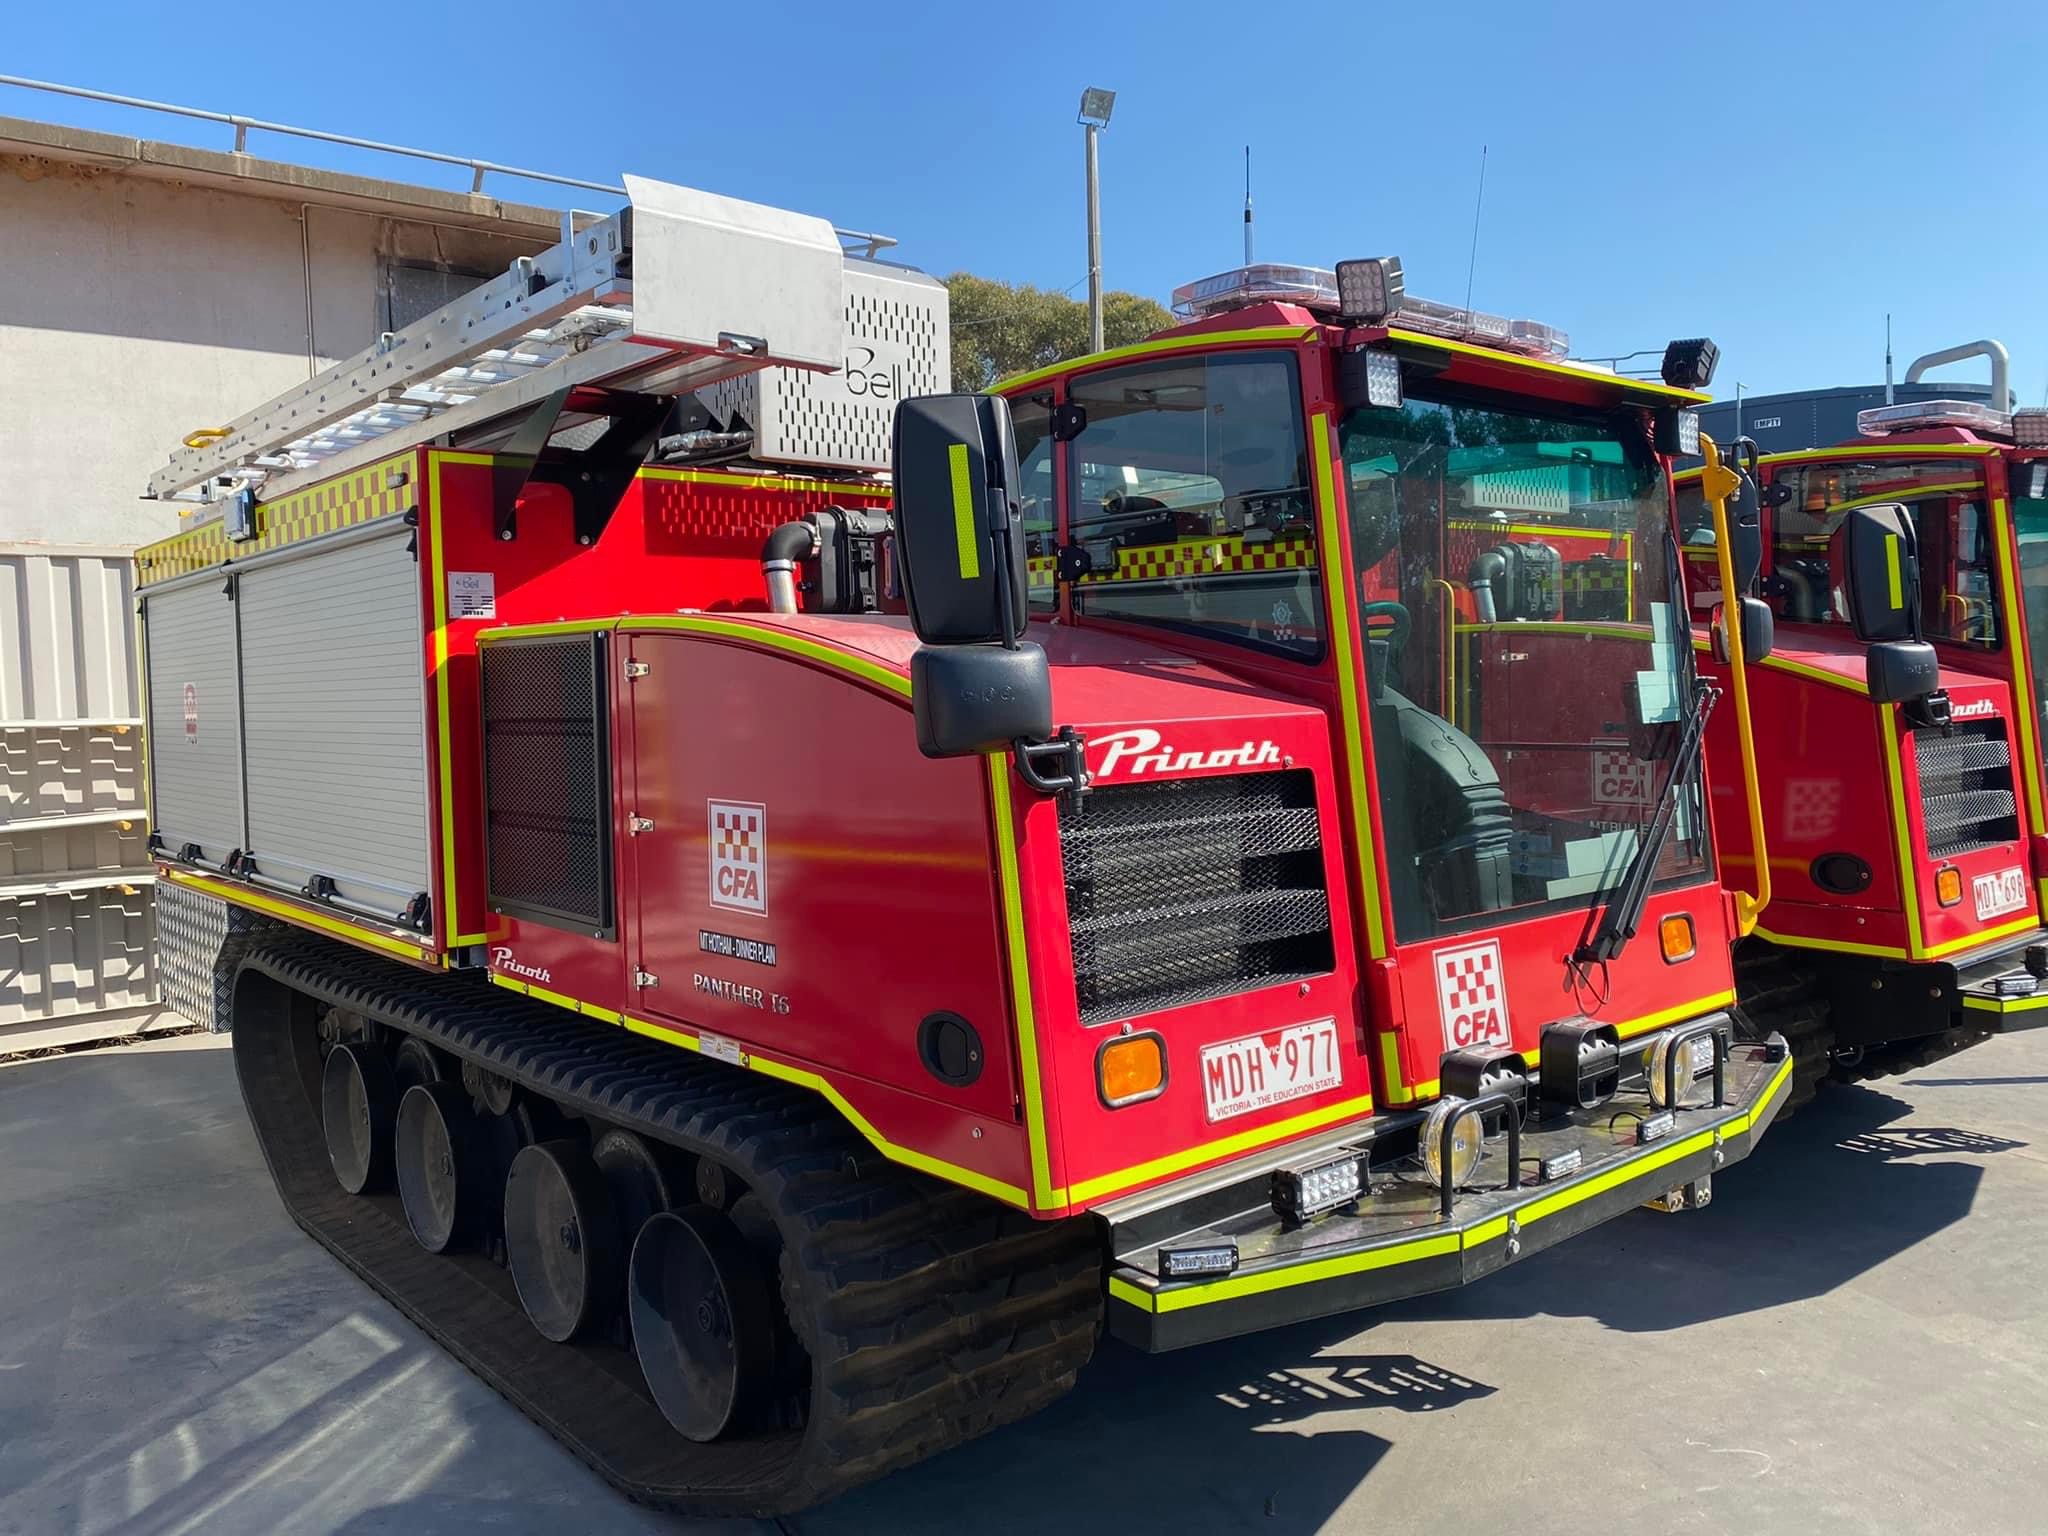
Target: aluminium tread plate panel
195, 739
334, 719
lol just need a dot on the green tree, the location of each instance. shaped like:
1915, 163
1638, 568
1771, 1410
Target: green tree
1004, 328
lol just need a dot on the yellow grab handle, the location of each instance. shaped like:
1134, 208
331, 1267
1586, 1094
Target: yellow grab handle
201, 437
1718, 483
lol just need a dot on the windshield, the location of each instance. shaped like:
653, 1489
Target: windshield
1527, 669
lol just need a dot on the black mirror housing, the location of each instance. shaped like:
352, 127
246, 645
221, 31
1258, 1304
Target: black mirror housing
1875, 575
959, 541
1900, 671
1759, 631
970, 699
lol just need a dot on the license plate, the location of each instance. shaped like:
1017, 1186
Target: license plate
1259, 1071
2005, 891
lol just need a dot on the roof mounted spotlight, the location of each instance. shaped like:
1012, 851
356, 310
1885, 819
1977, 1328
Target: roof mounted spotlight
1690, 364
1369, 290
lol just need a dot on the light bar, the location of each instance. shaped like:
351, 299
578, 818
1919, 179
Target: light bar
1967, 414
1560, 1165
2030, 427
1309, 1190
1317, 289
1197, 1259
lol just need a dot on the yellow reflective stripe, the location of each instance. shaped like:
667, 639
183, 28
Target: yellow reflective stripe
1339, 595
2018, 642
1450, 1242
341, 928
1150, 348
1842, 946
1984, 936
1795, 668
1895, 581
1563, 370
443, 751
783, 1072
1895, 791
2006, 1004
1020, 982
1398, 1092
1244, 1141
963, 513
724, 629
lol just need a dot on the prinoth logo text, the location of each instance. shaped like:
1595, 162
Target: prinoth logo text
501, 957
1135, 753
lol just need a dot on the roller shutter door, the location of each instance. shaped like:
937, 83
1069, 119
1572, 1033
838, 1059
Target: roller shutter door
194, 731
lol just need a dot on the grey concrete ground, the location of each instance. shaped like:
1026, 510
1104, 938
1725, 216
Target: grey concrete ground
1850, 1339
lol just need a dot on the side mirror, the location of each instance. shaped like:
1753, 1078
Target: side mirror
1900, 671
960, 544
1874, 574
958, 536
1759, 631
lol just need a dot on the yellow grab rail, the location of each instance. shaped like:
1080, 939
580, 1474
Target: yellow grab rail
1718, 483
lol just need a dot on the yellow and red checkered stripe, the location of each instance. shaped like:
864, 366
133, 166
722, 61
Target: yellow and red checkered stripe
382, 490
1215, 556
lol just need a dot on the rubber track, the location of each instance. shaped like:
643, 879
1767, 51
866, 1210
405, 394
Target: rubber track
931, 1314
1774, 992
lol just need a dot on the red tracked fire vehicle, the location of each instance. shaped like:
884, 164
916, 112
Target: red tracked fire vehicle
1905, 817
1211, 909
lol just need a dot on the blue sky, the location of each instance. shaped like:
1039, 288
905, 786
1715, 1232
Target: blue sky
1776, 176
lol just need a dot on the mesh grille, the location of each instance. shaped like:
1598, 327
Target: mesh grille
1966, 787
1192, 889
547, 811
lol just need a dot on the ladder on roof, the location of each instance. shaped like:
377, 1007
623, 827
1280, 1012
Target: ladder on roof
678, 290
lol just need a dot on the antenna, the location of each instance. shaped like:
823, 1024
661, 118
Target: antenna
1887, 359
1478, 203
1247, 205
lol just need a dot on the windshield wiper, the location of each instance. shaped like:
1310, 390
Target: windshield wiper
1623, 913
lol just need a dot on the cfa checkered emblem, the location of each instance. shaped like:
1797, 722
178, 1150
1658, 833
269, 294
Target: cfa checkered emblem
739, 855
1813, 808
1471, 995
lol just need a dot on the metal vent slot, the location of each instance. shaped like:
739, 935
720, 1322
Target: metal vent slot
1192, 889
1967, 798
547, 782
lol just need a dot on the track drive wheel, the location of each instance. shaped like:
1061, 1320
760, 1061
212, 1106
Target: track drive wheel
703, 1325
561, 1238
358, 1104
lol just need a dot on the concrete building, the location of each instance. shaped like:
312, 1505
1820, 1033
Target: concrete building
148, 289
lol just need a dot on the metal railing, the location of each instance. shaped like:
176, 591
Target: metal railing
869, 244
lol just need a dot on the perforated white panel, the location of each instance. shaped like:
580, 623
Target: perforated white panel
897, 344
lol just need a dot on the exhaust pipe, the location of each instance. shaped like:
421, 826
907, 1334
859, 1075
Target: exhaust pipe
787, 547
2001, 398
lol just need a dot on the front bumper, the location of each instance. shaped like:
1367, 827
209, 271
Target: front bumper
1397, 1242
1998, 992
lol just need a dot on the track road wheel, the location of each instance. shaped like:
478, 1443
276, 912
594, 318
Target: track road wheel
415, 1061
358, 1104
561, 1238
444, 1174
703, 1326
639, 1176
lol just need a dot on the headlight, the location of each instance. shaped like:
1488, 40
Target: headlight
1467, 1137
1695, 1072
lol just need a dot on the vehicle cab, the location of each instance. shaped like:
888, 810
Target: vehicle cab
1910, 836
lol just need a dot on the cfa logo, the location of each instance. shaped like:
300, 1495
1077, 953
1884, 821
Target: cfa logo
1976, 709
501, 957
1471, 996
1142, 751
739, 855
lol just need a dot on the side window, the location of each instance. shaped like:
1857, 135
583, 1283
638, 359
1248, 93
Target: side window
1033, 421
1191, 499
1945, 499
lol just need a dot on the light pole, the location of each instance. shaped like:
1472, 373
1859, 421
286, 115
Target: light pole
1096, 105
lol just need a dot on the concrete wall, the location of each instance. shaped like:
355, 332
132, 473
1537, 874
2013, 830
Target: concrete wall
137, 305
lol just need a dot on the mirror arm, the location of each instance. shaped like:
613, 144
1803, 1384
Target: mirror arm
1068, 778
